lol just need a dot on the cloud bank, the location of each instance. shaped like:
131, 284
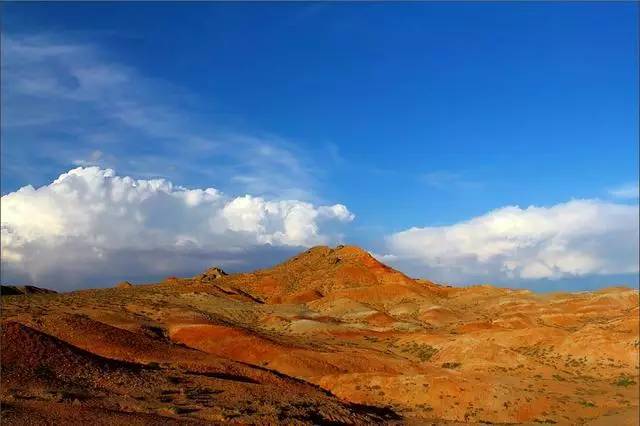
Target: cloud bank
92, 227
577, 238
90, 224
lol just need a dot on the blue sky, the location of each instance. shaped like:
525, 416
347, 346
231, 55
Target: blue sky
410, 115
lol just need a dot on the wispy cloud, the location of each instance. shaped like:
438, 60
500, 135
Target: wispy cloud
68, 104
63, 101
445, 180
629, 191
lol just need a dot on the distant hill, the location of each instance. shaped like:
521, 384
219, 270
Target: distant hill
15, 290
322, 271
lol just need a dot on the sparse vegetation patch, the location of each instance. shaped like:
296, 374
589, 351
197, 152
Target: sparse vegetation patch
625, 381
451, 365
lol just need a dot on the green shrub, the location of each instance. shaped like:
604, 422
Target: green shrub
451, 365
425, 352
624, 381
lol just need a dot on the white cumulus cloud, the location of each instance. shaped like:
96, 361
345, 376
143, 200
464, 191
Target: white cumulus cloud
90, 224
577, 238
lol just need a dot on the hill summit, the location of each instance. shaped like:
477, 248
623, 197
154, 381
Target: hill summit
210, 274
321, 271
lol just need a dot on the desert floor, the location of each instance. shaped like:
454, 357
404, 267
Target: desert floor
331, 336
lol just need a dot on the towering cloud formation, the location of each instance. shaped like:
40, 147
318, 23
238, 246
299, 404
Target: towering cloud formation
90, 226
580, 237
91, 220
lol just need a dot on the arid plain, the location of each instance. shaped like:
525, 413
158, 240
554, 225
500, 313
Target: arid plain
331, 336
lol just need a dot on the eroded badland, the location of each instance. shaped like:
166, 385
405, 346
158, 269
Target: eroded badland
331, 336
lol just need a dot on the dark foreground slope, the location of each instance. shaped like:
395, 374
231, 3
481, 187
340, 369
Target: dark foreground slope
46, 380
20, 290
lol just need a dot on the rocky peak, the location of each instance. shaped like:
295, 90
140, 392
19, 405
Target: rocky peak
211, 274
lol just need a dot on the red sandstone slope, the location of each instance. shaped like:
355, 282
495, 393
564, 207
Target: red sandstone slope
45, 379
28, 354
323, 271
208, 351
